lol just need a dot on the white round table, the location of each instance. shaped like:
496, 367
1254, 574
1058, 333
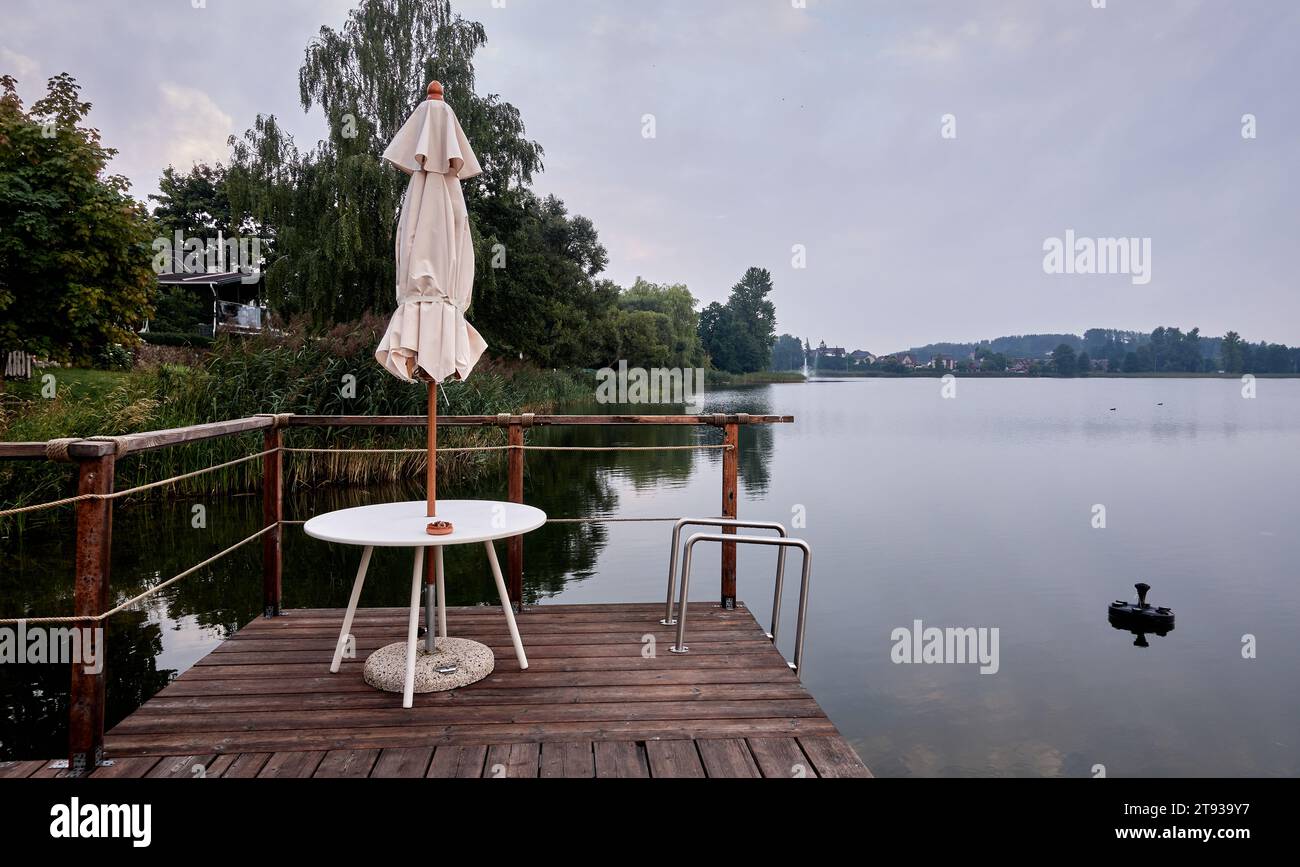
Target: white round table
403, 525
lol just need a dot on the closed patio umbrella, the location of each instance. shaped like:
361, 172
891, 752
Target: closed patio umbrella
428, 339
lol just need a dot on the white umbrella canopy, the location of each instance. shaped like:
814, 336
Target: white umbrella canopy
428, 337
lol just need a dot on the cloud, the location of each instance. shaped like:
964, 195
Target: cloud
177, 126
931, 46
20, 66
1004, 32
195, 127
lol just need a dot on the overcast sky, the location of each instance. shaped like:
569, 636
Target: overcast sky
778, 126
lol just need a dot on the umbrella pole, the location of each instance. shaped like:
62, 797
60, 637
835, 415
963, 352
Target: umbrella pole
431, 511
436, 527
431, 479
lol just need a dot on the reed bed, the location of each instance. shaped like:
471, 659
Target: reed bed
298, 371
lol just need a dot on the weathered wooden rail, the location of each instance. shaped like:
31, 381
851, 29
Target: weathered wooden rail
96, 458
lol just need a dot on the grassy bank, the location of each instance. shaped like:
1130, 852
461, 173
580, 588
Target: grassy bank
329, 374
722, 379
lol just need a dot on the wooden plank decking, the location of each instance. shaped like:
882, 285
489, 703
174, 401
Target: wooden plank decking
603, 697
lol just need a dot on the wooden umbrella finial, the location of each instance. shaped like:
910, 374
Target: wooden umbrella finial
435, 90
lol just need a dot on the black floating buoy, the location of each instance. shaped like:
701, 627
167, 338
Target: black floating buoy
1141, 618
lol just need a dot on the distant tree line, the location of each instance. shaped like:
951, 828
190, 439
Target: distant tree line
1170, 350
1164, 350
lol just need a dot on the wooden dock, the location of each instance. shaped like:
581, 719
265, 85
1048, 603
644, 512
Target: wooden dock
603, 697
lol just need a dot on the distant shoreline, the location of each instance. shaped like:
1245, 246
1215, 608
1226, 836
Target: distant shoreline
939, 374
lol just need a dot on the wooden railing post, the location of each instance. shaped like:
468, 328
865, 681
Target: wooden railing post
272, 515
730, 480
90, 599
515, 547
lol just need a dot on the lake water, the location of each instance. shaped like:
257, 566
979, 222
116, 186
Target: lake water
976, 511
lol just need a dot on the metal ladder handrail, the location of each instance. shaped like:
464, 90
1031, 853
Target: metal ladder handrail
783, 543
668, 619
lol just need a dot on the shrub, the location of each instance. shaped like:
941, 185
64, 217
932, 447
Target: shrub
115, 356
176, 338
297, 371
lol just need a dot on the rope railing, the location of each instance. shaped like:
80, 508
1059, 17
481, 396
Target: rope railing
126, 492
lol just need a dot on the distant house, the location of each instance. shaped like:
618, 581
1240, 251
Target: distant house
942, 362
1020, 365
861, 356
231, 298
830, 358
902, 358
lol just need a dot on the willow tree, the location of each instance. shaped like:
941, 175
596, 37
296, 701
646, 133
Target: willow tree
333, 210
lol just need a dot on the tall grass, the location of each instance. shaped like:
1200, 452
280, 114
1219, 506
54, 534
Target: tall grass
332, 373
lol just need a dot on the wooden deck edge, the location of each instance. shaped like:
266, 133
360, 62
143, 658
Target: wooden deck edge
822, 757
593, 711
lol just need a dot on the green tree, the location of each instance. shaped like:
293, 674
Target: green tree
195, 204
988, 360
1064, 361
333, 211
645, 338
1085, 364
680, 323
545, 304
1171, 350
787, 353
739, 336
720, 336
178, 309
75, 271
1231, 353
1146, 359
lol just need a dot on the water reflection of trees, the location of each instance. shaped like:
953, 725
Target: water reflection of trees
35, 720
649, 469
134, 644
36, 575
756, 441
153, 542
34, 724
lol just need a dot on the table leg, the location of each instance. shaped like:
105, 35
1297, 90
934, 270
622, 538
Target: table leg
442, 591
352, 609
505, 605
430, 645
413, 629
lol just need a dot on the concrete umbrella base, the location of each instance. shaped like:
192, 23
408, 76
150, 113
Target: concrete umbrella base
386, 667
